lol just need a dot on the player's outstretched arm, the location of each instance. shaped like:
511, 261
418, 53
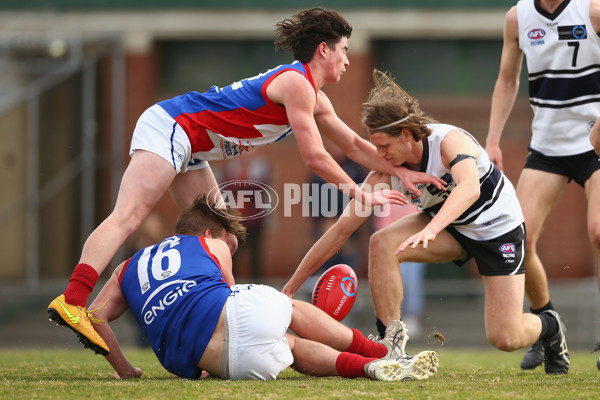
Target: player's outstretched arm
111, 304
334, 238
298, 96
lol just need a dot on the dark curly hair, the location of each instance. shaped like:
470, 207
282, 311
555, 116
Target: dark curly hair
201, 216
302, 33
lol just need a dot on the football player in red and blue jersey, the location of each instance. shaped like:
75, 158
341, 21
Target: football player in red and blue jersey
183, 295
174, 140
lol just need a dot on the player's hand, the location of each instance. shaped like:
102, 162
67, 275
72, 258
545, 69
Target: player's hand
495, 154
425, 236
287, 291
133, 373
410, 179
381, 197
205, 374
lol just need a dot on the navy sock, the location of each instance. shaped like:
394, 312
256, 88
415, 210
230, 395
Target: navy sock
540, 310
380, 328
549, 326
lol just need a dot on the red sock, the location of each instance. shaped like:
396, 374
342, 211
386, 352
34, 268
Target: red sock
82, 282
365, 347
350, 365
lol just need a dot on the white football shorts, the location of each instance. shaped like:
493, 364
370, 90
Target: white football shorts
157, 132
258, 317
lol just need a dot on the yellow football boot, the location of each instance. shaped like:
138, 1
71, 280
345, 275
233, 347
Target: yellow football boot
78, 319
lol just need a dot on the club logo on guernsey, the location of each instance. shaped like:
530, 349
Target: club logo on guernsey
169, 298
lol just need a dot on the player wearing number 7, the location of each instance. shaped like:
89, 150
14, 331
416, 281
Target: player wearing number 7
174, 140
561, 45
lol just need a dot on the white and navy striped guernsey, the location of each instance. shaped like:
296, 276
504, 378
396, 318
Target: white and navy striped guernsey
563, 62
496, 211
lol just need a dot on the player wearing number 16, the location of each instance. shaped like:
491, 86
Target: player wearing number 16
183, 295
561, 45
174, 140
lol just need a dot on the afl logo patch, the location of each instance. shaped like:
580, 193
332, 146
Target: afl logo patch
536, 34
508, 248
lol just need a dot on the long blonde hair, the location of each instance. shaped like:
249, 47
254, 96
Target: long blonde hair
389, 109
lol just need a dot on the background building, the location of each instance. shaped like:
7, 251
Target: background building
76, 75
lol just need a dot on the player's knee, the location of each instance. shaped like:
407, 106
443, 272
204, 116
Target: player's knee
503, 341
298, 312
530, 243
378, 242
291, 341
594, 234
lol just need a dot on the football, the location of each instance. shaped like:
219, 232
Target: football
335, 291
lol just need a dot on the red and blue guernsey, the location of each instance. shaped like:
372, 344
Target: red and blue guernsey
224, 122
176, 291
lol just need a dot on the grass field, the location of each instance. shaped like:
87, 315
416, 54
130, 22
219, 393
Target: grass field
463, 374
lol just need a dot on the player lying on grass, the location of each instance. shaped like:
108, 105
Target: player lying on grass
183, 295
478, 216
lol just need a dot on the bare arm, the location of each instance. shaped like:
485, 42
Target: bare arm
335, 237
362, 151
297, 95
220, 249
506, 87
466, 176
114, 306
595, 15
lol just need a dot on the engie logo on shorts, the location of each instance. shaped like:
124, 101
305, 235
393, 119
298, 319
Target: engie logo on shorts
252, 199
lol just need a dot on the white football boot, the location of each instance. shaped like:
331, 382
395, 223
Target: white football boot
395, 339
415, 367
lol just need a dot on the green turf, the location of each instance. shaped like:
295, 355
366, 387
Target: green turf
463, 374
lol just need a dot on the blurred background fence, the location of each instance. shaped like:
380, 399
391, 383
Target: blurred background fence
76, 75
